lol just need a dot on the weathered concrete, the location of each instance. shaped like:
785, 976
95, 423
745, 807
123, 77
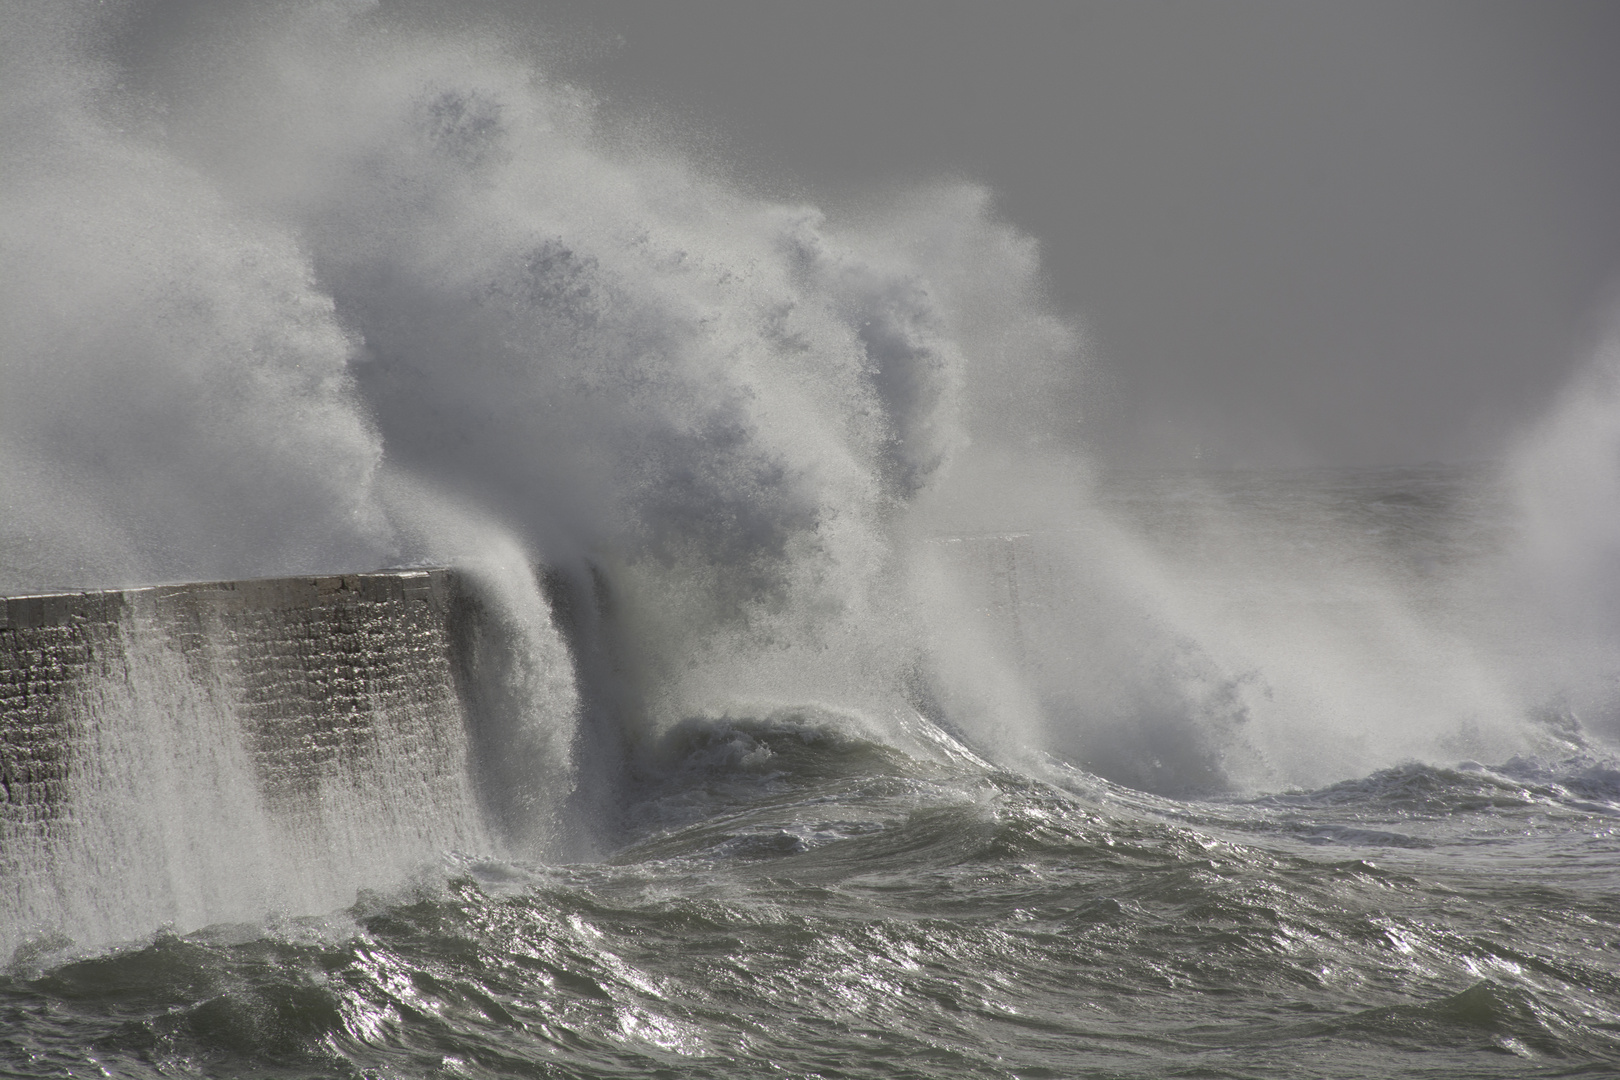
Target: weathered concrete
317, 659
331, 714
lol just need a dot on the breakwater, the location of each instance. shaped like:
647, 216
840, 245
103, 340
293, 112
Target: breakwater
198, 753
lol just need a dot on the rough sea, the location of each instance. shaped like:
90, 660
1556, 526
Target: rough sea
909, 740
800, 902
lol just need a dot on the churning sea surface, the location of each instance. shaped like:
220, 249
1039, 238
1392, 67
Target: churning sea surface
789, 896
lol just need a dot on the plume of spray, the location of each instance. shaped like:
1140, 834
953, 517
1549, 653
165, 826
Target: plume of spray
725, 402
177, 401
1564, 477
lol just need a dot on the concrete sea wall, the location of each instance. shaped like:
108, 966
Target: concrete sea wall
187, 754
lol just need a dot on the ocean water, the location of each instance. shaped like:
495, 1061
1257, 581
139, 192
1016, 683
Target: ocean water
793, 900
900, 737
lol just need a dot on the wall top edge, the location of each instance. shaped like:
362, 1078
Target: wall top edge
36, 610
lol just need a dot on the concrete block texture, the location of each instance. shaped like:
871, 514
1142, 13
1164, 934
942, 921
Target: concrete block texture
185, 752
316, 660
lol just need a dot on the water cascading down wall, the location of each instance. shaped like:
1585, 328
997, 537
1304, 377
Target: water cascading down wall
198, 753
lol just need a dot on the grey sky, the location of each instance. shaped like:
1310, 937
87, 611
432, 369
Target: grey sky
1296, 232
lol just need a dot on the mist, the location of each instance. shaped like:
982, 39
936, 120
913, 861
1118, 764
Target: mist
295, 288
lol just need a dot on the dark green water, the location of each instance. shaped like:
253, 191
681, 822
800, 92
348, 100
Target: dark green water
799, 902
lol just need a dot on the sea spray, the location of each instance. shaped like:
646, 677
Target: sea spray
387, 255
724, 404
177, 397
1564, 479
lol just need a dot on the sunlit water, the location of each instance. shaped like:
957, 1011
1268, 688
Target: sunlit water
798, 902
